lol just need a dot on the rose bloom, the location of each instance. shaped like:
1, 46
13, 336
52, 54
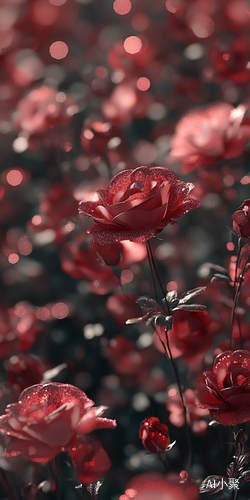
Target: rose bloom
190, 336
204, 136
241, 220
46, 419
81, 258
154, 435
196, 415
43, 108
18, 327
225, 391
138, 204
90, 460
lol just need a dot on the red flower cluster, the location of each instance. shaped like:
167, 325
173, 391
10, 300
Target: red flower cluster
46, 419
138, 204
225, 391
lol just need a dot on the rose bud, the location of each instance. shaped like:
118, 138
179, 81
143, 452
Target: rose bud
154, 435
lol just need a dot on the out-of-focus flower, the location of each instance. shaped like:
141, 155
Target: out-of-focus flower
43, 108
155, 485
46, 418
225, 391
209, 134
196, 415
19, 326
125, 359
23, 371
241, 220
81, 258
138, 204
190, 336
90, 460
154, 435
99, 136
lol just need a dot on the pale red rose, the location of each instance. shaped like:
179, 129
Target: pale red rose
225, 391
46, 419
209, 134
138, 204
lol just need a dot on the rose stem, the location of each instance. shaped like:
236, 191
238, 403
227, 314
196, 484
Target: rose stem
8, 485
156, 272
116, 270
53, 471
236, 296
151, 269
168, 350
67, 479
38, 480
235, 281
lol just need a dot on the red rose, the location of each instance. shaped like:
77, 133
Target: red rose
154, 435
46, 418
138, 204
190, 336
90, 460
225, 391
206, 135
241, 220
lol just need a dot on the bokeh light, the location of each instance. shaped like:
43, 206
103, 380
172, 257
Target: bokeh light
60, 310
58, 50
143, 83
122, 7
14, 177
132, 44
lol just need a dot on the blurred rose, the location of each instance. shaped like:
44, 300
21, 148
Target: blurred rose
204, 136
153, 485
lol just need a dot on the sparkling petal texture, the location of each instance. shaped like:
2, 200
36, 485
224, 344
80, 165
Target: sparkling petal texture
138, 204
226, 390
46, 418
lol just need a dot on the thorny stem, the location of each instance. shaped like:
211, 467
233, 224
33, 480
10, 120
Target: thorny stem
237, 285
53, 471
167, 349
